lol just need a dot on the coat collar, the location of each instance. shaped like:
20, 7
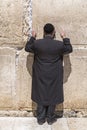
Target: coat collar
48, 37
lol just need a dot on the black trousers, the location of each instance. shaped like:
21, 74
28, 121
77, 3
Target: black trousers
45, 111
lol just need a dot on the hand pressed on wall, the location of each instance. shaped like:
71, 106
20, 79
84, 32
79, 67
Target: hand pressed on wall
63, 35
34, 34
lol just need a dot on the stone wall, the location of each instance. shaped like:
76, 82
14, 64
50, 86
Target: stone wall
18, 16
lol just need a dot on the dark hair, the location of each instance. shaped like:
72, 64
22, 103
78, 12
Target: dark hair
48, 28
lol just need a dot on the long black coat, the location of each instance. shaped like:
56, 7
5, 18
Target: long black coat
47, 80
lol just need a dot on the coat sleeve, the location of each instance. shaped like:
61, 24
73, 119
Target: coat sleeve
29, 47
67, 47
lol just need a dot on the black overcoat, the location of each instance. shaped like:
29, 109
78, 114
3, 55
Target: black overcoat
47, 75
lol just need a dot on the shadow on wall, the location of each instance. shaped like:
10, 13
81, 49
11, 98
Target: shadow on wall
30, 63
67, 70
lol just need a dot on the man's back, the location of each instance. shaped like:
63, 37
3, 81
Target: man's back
48, 50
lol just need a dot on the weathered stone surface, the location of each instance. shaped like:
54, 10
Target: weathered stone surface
24, 72
68, 113
11, 123
69, 16
27, 18
61, 124
22, 123
16, 65
15, 113
11, 13
77, 123
75, 87
7, 77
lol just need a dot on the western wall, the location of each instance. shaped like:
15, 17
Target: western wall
18, 16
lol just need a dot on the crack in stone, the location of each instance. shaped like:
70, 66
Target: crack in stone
27, 17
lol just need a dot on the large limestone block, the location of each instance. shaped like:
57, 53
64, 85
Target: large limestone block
7, 78
65, 15
11, 13
24, 79
75, 79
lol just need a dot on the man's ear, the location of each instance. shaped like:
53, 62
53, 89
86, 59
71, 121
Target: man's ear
44, 34
54, 34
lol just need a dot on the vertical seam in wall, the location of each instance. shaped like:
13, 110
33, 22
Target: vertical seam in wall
27, 17
30, 17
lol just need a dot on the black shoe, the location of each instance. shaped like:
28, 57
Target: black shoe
51, 119
41, 121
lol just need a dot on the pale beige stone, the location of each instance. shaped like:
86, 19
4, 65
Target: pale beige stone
16, 65
77, 123
11, 13
30, 124
11, 123
61, 124
24, 79
65, 15
75, 80
7, 77
22, 123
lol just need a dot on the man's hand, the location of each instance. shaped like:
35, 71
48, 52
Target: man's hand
63, 35
34, 34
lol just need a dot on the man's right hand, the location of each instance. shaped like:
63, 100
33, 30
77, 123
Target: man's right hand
34, 34
63, 35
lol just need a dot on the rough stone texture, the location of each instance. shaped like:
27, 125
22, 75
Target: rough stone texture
16, 65
11, 123
27, 18
22, 123
68, 113
24, 71
77, 124
7, 78
70, 16
11, 22
60, 125
75, 89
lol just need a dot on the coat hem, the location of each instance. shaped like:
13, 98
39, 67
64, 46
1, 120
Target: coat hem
47, 104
